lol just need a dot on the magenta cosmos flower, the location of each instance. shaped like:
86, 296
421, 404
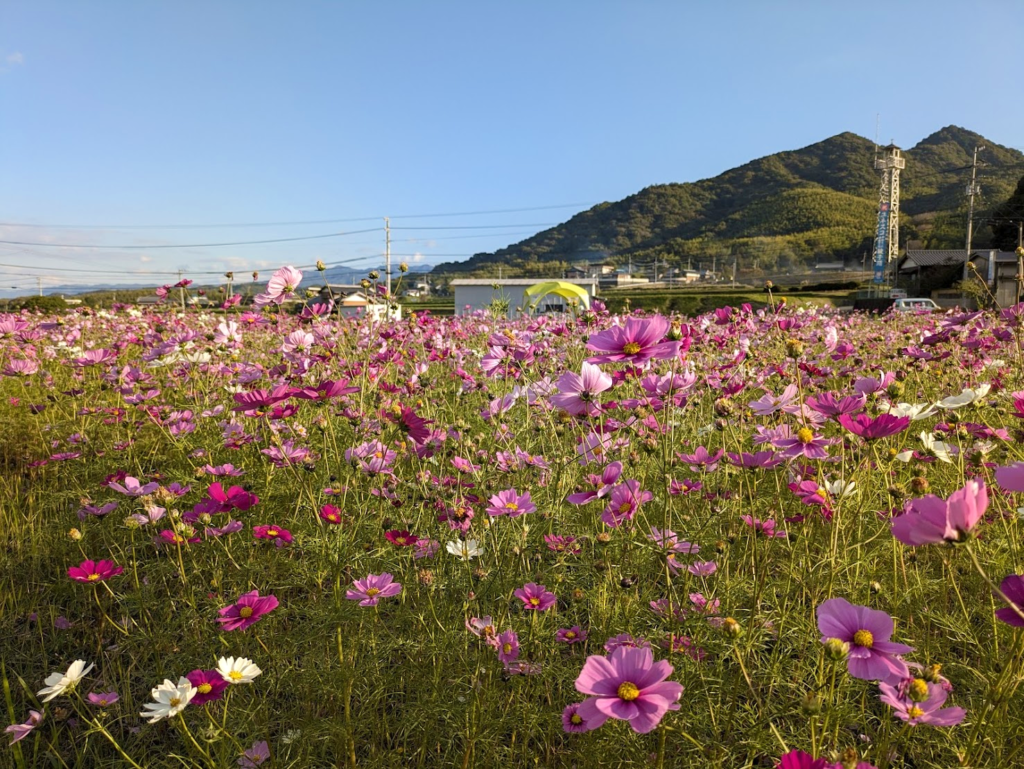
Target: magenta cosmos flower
21, 731
870, 428
922, 710
248, 610
872, 655
209, 685
507, 644
628, 685
571, 635
930, 519
370, 590
577, 393
624, 503
798, 759
536, 597
94, 571
511, 503
102, 699
637, 342
275, 534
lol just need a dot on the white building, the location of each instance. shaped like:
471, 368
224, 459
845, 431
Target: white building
473, 294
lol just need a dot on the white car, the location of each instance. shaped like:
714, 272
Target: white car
915, 305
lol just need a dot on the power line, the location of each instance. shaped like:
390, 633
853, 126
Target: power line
195, 245
285, 224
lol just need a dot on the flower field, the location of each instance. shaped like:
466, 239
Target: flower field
745, 539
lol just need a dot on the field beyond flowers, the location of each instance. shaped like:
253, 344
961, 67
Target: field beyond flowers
746, 539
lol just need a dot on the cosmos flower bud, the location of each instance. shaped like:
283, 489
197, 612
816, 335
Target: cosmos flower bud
917, 690
320, 266
849, 759
794, 348
724, 407
403, 267
374, 275
919, 484
675, 331
810, 703
731, 627
932, 674
604, 538
895, 390
836, 649
876, 587
75, 534
425, 577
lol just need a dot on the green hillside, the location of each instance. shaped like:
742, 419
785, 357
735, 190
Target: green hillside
775, 212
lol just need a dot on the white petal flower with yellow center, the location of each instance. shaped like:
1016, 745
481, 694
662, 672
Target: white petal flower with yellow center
58, 683
237, 670
465, 550
169, 699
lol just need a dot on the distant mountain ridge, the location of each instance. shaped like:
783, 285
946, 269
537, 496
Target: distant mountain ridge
780, 210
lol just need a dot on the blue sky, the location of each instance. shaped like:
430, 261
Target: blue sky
193, 113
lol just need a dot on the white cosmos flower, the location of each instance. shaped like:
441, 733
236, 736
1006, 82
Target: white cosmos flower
465, 550
169, 699
237, 670
841, 488
965, 398
941, 451
58, 683
915, 411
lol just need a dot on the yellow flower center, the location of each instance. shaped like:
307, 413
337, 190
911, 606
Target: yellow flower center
507, 648
234, 675
103, 703
534, 601
628, 691
273, 533
245, 612
570, 634
575, 719
93, 577
511, 506
918, 690
805, 435
864, 638
204, 688
631, 348
915, 712
624, 507
372, 592
400, 540
175, 701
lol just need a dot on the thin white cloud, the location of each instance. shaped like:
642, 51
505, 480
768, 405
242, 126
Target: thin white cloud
15, 59
145, 259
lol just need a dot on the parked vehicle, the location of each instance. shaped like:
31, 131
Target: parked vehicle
920, 304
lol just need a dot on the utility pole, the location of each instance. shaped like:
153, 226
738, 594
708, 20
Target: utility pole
181, 291
39, 283
387, 255
972, 190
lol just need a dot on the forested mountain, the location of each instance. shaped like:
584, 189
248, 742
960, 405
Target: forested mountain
777, 211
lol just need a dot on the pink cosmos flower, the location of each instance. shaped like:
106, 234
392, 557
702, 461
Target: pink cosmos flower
797, 759
102, 699
628, 685
637, 342
511, 503
927, 711
571, 635
872, 655
625, 501
19, 732
507, 644
572, 721
1013, 588
577, 393
426, 548
255, 756
246, 611
94, 571
560, 544
833, 406
331, 514
483, 627
227, 469
276, 534
133, 488
281, 285
298, 340
603, 485
536, 597
209, 685
766, 527
626, 640
370, 590
702, 568
930, 519
1011, 478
